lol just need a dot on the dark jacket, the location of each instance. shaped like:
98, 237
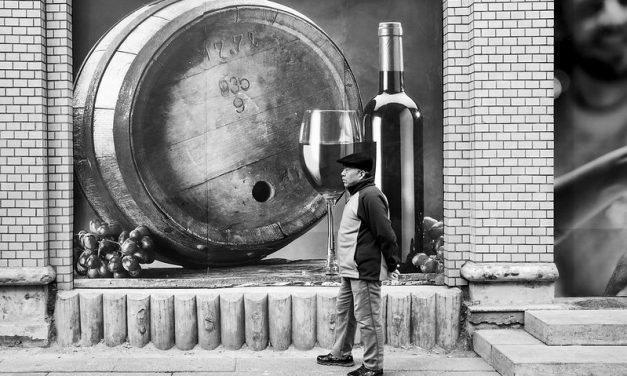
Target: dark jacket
367, 246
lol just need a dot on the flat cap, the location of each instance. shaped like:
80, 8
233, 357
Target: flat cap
361, 161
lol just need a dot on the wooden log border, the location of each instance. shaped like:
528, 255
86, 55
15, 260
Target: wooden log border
138, 319
422, 316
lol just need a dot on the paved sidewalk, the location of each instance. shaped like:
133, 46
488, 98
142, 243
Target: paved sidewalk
102, 360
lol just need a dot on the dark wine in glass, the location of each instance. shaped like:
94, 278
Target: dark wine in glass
325, 137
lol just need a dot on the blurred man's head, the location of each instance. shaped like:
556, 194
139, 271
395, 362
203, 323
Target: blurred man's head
598, 34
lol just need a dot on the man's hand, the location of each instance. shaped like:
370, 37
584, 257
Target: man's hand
394, 275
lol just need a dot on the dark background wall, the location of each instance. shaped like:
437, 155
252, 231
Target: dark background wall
352, 25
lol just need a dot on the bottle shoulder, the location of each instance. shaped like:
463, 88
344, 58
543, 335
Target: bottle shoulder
385, 99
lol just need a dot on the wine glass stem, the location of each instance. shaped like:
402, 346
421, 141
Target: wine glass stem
331, 267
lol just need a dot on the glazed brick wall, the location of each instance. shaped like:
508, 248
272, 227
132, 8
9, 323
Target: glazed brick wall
36, 135
23, 138
498, 132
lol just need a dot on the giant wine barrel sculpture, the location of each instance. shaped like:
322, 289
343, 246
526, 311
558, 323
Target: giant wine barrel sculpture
186, 119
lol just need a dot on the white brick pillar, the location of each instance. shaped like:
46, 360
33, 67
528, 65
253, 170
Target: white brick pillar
498, 149
35, 163
36, 136
23, 139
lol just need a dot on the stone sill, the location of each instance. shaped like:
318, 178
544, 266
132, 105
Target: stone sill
509, 272
506, 315
27, 276
572, 303
512, 308
11, 331
269, 274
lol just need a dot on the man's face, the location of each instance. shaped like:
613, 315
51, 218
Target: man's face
599, 34
351, 175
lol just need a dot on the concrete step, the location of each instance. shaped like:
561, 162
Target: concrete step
582, 327
514, 352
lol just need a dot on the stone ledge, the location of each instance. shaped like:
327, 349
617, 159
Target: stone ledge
31, 276
579, 327
28, 334
511, 293
23, 315
509, 272
502, 315
510, 360
513, 307
516, 352
267, 273
484, 340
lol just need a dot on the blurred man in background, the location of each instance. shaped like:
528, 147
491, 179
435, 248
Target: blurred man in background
591, 146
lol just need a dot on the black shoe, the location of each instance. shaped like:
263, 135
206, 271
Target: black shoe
331, 360
363, 371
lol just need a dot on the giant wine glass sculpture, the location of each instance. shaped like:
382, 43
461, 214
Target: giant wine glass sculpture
325, 137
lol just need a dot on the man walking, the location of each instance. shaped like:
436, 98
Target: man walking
367, 254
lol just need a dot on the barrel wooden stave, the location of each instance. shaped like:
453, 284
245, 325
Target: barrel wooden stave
85, 90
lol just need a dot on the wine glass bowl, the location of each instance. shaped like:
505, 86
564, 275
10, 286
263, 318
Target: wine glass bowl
325, 137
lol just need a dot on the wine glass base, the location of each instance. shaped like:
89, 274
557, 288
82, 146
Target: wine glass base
332, 269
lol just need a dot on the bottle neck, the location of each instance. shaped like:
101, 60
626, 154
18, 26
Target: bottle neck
391, 82
391, 64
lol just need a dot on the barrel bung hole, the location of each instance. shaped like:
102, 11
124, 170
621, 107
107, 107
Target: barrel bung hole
262, 191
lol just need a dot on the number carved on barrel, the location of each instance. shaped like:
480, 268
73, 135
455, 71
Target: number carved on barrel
225, 49
234, 85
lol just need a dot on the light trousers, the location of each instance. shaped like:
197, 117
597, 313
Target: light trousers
359, 306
